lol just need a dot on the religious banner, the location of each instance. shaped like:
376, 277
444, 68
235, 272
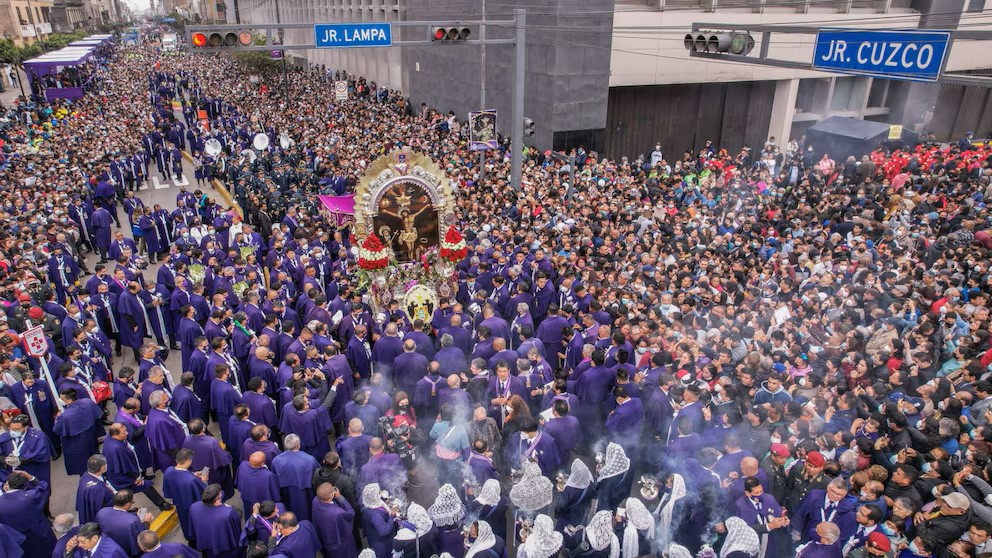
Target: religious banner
482, 127
34, 342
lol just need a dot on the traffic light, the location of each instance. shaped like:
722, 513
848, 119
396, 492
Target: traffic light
222, 39
529, 127
450, 34
733, 43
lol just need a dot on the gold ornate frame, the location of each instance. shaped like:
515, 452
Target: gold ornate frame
402, 165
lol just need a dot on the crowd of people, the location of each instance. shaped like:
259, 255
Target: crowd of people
746, 356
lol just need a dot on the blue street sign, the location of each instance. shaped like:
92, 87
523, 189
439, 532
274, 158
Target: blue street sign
347, 35
906, 55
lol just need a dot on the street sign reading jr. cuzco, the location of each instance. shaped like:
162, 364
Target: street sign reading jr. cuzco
350, 35
907, 55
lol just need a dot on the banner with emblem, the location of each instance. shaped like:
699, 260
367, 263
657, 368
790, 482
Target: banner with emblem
482, 130
35, 345
34, 342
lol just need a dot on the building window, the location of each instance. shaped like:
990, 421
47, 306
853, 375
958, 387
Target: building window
20, 17
878, 93
843, 89
976, 6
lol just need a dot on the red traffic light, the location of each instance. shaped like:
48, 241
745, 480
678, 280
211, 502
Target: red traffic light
199, 40
451, 34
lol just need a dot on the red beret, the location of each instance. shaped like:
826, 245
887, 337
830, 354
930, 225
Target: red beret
816, 459
879, 541
781, 450
24, 297
36, 313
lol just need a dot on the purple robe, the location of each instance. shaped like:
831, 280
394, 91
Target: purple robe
187, 404
267, 447
335, 522
92, 495
543, 449
566, 430
302, 543
238, 431
311, 426
23, 511
164, 436
386, 469
35, 455
354, 452
256, 485
207, 453
294, 472
79, 425
184, 489
223, 398
216, 529
132, 315
122, 527
263, 410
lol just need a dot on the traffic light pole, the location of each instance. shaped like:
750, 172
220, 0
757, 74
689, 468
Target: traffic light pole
519, 70
518, 23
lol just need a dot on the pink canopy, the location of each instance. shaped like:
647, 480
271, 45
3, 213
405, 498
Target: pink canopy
341, 207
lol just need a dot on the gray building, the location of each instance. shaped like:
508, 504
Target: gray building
568, 59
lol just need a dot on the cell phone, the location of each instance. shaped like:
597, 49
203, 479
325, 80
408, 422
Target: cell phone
142, 512
205, 471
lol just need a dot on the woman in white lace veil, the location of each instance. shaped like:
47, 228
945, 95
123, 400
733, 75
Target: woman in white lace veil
666, 506
534, 491
613, 479
640, 523
543, 541
741, 539
600, 536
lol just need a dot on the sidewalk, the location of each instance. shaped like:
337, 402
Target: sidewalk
12, 93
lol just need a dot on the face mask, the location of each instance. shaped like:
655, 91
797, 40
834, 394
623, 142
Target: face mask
913, 548
926, 469
776, 439
15, 434
864, 495
509, 409
888, 531
642, 350
95, 330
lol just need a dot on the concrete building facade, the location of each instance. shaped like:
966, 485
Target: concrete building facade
613, 75
25, 21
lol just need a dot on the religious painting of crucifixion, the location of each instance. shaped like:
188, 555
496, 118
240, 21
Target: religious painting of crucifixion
407, 220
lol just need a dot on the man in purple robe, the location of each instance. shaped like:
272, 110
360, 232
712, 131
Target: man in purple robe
450, 357
294, 471
760, 510
311, 424
26, 447
224, 397
132, 314
386, 350
123, 469
408, 368
297, 538
383, 468
259, 441
94, 492
215, 526
121, 525
564, 428
102, 220
79, 426
263, 410
185, 401
184, 487
153, 547
207, 454
22, 508
353, 449
256, 482
334, 518
165, 431
529, 444
501, 387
